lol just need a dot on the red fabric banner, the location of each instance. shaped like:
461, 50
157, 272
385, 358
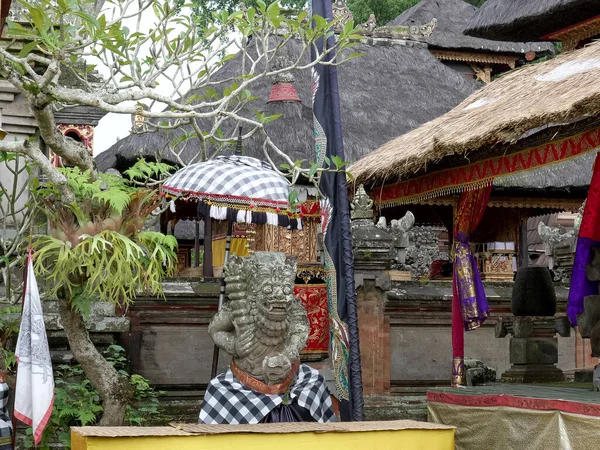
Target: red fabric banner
483, 172
314, 300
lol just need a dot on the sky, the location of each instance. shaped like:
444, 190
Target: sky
114, 127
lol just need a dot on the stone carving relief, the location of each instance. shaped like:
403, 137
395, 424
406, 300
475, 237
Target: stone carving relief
406, 31
559, 241
423, 248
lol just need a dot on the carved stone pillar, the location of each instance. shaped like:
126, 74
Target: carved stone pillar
373, 250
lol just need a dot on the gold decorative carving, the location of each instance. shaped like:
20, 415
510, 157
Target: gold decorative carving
300, 243
483, 73
458, 372
308, 274
85, 132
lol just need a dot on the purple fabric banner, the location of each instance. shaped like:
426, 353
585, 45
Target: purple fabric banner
581, 287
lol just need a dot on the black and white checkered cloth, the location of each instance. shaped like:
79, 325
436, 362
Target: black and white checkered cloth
5, 422
235, 178
228, 401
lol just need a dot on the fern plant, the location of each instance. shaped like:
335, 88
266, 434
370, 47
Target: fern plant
96, 248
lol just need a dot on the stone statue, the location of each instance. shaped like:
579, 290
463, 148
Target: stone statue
399, 230
369, 25
361, 205
262, 326
342, 13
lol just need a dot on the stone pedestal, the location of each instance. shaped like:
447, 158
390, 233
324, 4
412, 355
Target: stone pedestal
533, 348
373, 250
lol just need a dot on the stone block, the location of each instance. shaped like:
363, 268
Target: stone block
533, 373
500, 329
595, 339
584, 376
563, 326
478, 373
589, 316
474, 374
523, 328
538, 350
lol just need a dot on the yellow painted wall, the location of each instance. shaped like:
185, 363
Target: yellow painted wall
409, 439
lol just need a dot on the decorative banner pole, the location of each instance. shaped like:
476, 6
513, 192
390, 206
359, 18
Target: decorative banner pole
469, 303
34, 394
337, 237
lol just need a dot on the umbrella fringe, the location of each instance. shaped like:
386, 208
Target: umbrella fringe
245, 216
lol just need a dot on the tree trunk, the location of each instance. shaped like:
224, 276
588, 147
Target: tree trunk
115, 390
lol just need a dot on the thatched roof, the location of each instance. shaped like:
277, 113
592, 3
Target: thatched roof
520, 20
452, 18
392, 89
528, 102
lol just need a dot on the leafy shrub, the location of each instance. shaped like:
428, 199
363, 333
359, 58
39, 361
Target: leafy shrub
77, 403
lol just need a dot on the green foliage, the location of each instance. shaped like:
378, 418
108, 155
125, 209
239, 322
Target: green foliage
107, 266
144, 170
77, 403
10, 320
203, 9
386, 10
96, 249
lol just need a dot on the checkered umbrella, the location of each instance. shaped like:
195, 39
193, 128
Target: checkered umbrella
235, 188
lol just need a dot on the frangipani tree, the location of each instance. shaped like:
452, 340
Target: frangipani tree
96, 249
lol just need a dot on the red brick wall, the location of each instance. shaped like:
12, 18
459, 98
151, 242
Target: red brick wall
374, 330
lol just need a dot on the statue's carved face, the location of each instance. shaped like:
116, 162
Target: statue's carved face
270, 280
274, 296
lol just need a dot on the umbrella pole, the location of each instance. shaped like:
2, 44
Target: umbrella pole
197, 245
207, 265
215, 361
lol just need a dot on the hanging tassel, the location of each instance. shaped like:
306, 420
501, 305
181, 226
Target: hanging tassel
241, 216
259, 217
203, 209
232, 215
283, 221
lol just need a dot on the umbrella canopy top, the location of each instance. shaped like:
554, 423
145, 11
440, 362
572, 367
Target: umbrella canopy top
237, 182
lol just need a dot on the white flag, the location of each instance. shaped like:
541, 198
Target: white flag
34, 394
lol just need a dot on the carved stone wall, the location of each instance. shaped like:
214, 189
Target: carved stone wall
424, 248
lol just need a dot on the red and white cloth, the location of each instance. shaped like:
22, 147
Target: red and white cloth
34, 395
